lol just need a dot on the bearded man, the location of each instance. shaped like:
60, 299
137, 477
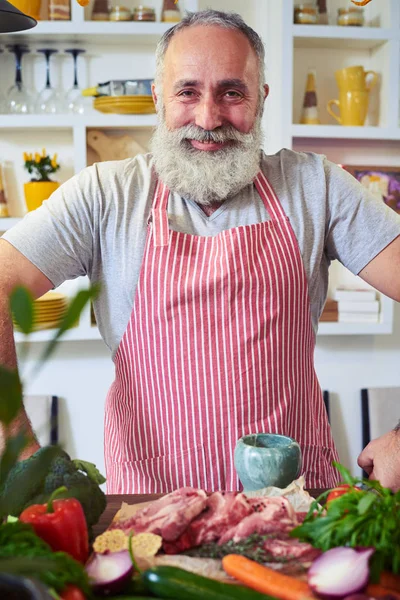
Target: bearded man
213, 259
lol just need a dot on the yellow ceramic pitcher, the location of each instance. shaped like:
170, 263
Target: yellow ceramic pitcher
355, 79
354, 85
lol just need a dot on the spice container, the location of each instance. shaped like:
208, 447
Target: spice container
120, 13
305, 14
144, 13
351, 16
3, 199
59, 10
170, 12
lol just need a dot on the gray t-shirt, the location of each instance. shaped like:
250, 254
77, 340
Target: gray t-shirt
95, 224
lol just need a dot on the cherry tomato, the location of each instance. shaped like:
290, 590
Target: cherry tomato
72, 592
342, 489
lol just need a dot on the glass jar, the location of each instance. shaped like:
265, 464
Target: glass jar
305, 14
352, 16
120, 13
170, 12
144, 13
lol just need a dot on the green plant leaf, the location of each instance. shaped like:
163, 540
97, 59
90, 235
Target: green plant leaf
21, 304
74, 310
90, 469
10, 394
9, 458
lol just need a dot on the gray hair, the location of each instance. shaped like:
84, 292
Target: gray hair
227, 20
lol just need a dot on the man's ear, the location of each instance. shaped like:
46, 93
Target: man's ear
266, 90
154, 94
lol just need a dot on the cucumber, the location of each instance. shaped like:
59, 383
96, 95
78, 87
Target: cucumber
178, 584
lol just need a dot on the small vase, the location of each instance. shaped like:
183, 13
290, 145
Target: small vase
38, 191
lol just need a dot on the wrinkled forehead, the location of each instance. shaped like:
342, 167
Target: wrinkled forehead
210, 52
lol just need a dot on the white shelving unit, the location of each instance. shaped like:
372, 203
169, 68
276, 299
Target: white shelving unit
327, 48
377, 47
123, 42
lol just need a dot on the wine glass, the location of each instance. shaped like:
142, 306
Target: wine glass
75, 101
2, 99
18, 99
49, 100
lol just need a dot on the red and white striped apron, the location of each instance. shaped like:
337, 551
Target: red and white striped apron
219, 344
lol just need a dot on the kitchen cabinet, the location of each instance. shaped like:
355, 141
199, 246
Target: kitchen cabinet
119, 50
296, 48
113, 50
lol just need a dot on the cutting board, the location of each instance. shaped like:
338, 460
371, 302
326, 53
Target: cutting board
113, 147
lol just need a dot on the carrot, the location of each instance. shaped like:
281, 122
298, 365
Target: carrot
266, 580
378, 591
390, 580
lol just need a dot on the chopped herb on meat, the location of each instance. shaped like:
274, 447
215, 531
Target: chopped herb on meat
251, 547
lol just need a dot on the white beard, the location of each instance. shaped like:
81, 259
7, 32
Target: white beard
206, 177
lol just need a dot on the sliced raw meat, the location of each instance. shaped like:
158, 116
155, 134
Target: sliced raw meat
223, 511
271, 515
168, 516
291, 549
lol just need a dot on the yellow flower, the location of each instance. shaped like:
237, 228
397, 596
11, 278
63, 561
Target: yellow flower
25, 155
53, 164
44, 152
38, 158
55, 158
29, 156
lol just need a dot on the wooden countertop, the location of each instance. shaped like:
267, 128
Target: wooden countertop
114, 504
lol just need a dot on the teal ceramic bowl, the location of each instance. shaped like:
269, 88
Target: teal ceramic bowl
265, 459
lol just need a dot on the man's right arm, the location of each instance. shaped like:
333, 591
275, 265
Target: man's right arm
16, 270
381, 459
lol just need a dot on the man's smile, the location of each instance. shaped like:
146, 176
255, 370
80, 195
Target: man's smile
208, 146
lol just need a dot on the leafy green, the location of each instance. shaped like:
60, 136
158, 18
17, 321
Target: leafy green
10, 395
367, 517
21, 302
18, 542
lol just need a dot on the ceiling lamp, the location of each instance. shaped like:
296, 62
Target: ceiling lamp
12, 19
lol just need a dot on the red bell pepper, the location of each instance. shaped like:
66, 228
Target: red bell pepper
60, 523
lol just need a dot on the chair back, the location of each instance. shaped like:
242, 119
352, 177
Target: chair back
380, 411
42, 412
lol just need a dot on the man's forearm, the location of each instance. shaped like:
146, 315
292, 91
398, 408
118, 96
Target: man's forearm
8, 356
8, 359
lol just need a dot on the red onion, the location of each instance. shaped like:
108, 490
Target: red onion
340, 572
110, 572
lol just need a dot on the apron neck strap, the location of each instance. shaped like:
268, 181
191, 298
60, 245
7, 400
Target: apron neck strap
159, 215
159, 212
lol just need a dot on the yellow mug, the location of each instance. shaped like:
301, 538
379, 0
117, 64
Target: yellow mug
353, 108
355, 79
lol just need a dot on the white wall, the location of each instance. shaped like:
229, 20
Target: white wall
81, 372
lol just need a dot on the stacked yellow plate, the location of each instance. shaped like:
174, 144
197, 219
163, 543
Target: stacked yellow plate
125, 105
49, 310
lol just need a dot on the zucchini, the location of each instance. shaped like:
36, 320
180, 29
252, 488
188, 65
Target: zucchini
178, 584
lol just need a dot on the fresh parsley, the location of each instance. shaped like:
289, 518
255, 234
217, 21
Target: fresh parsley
366, 517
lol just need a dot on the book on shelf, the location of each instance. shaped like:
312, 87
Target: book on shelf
358, 317
358, 307
354, 295
330, 311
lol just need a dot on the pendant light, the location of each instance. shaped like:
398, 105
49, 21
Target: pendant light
12, 19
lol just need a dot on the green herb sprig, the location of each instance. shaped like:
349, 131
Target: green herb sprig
364, 517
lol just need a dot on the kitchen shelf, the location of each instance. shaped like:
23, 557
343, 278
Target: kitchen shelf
341, 132
327, 48
77, 334
332, 36
92, 32
62, 122
7, 223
